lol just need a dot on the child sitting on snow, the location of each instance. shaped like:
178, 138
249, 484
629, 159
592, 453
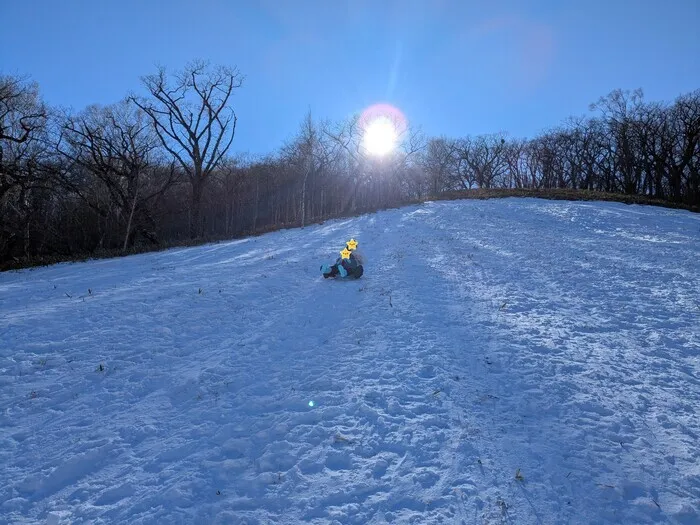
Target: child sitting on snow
349, 264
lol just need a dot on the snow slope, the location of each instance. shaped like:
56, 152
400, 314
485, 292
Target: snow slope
231, 383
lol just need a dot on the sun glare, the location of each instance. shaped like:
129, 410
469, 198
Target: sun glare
382, 127
380, 136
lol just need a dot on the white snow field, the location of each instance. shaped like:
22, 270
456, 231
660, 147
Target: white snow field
511, 361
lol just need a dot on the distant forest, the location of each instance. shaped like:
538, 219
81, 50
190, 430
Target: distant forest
159, 170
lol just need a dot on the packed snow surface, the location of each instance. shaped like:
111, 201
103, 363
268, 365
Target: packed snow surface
512, 361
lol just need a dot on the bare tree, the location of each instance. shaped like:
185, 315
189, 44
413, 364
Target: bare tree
308, 154
516, 159
23, 116
398, 171
194, 121
23, 127
347, 139
21, 110
440, 163
485, 159
228, 192
619, 109
116, 144
684, 163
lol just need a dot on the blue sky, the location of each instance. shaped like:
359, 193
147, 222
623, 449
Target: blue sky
453, 68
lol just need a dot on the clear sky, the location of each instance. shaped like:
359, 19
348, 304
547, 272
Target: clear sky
453, 67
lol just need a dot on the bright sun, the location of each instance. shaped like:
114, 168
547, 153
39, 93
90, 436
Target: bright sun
380, 136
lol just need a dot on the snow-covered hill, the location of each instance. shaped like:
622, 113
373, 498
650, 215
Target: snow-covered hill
509, 361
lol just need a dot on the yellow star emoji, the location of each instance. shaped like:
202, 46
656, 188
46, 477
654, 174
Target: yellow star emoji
352, 244
345, 254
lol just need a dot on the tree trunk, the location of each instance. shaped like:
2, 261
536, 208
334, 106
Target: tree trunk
26, 217
303, 198
257, 204
131, 216
196, 209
